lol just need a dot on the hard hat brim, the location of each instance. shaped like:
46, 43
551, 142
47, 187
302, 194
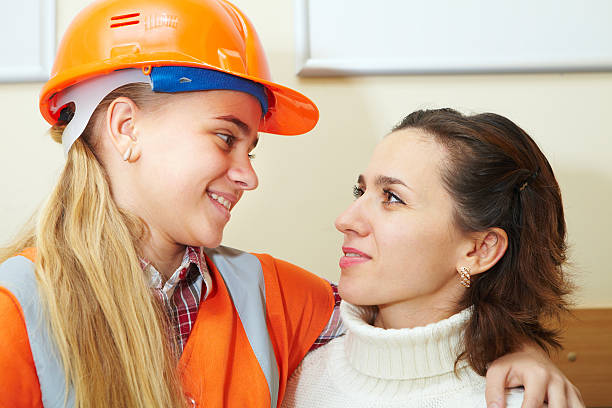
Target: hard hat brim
290, 113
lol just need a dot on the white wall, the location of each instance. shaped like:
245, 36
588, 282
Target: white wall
306, 181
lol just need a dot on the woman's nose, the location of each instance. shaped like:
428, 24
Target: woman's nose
242, 173
352, 219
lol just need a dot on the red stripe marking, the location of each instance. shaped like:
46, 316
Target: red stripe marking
125, 16
125, 23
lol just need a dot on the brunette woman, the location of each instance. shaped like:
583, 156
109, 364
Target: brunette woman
453, 256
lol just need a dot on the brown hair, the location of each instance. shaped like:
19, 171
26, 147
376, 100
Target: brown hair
498, 177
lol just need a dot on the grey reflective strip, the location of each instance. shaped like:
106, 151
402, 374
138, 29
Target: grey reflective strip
17, 275
243, 276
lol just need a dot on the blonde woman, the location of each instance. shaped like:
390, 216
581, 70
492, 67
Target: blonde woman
453, 256
118, 294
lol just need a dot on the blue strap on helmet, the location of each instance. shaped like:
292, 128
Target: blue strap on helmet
183, 79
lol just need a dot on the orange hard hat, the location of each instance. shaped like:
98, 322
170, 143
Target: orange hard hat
111, 35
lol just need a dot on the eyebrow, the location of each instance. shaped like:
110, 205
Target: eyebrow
383, 181
233, 119
241, 125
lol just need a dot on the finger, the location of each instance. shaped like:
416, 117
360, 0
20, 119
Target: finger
495, 387
557, 394
535, 391
574, 398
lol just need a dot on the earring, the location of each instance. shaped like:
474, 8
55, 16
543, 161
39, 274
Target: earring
464, 273
127, 154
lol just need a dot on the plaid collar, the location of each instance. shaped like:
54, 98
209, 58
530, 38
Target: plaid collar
193, 257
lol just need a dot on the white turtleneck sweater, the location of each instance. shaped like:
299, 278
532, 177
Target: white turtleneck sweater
373, 367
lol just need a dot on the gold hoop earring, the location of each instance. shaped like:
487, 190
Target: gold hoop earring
464, 274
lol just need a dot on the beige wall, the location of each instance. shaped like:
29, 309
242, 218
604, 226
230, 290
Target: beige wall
306, 181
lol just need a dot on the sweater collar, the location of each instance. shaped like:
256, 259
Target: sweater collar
402, 354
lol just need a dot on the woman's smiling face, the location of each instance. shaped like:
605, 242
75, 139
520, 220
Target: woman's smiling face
401, 243
195, 164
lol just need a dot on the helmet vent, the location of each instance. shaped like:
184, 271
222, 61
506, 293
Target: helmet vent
124, 20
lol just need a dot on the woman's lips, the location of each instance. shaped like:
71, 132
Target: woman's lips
221, 202
352, 257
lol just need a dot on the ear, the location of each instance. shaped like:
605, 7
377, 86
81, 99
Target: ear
120, 120
487, 249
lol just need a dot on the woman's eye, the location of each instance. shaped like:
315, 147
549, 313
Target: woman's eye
228, 139
391, 197
252, 156
357, 191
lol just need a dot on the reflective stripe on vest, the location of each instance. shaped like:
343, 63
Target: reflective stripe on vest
17, 275
243, 277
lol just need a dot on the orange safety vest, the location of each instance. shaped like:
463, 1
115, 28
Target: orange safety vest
218, 367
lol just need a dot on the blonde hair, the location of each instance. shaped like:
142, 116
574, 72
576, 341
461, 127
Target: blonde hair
112, 334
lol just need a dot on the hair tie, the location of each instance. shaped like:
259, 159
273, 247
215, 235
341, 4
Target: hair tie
529, 179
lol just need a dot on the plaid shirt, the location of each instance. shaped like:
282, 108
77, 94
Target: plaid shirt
182, 293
